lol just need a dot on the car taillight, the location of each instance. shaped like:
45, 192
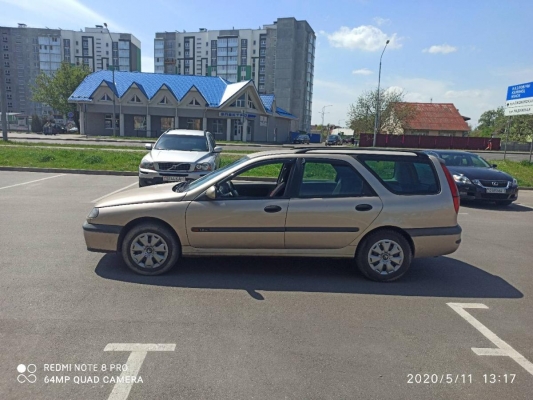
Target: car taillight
453, 187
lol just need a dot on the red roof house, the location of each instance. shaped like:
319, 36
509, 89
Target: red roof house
433, 119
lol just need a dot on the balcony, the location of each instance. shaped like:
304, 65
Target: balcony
170, 60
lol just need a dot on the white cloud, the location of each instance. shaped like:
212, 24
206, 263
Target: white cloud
467, 94
58, 12
364, 37
381, 21
362, 71
443, 49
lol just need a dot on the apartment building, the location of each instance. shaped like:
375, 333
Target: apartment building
29, 51
279, 58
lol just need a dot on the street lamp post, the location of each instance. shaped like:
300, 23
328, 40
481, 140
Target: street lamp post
323, 112
376, 122
114, 120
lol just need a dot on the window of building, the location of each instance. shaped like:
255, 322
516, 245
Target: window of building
6, 56
9, 104
194, 102
206, 53
253, 51
8, 80
241, 102
218, 126
135, 99
139, 123
6, 64
194, 123
167, 123
6, 47
243, 60
9, 96
254, 42
77, 44
164, 100
251, 104
105, 97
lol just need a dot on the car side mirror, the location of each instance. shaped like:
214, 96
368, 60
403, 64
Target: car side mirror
148, 146
494, 165
211, 193
217, 149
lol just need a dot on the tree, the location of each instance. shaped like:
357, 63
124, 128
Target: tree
55, 90
494, 122
394, 112
36, 125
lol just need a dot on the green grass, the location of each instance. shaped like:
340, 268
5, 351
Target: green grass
94, 146
98, 159
521, 170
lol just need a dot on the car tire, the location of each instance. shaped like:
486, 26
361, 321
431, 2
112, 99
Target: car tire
377, 252
137, 249
504, 203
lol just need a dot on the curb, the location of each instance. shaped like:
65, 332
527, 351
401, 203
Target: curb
148, 140
69, 171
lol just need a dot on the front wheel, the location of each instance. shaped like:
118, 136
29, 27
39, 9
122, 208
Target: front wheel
150, 249
384, 256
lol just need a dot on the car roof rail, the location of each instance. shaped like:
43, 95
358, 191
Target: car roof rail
359, 149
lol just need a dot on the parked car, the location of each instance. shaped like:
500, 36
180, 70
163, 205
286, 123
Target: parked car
301, 139
333, 140
379, 208
477, 179
74, 129
53, 129
179, 155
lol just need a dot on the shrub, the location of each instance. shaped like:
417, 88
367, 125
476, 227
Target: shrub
36, 124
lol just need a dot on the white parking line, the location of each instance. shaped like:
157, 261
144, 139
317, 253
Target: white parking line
116, 191
37, 180
503, 348
138, 351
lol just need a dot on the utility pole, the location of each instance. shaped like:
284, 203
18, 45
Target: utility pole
508, 128
378, 108
323, 112
114, 83
3, 97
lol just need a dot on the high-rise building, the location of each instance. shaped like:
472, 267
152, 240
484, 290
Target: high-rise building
29, 51
279, 58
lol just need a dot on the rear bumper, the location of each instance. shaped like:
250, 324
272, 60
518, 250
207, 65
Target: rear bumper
101, 238
479, 193
432, 242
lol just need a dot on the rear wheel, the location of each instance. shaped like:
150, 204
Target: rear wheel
384, 256
150, 249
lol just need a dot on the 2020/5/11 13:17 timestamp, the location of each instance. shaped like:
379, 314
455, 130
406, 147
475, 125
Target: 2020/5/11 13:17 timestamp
496, 378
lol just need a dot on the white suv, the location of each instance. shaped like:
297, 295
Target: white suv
179, 155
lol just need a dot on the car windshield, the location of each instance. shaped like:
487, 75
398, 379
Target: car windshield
302, 137
209, 177
332, 137
182, 142
463, 160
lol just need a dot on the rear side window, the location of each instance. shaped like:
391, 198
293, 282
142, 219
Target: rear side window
403, 176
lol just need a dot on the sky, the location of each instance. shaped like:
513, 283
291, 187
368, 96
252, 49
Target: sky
461, 52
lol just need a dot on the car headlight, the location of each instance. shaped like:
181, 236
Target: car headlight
146, 163
515, 182
203, 167
93, 214
476, 182
461, 179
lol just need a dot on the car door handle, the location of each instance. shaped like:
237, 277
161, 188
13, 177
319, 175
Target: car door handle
363, 207
272, 209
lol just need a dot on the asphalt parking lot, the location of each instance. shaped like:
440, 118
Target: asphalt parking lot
256, 328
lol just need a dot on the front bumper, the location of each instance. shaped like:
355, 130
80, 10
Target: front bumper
479, 193
101, 238
151, 177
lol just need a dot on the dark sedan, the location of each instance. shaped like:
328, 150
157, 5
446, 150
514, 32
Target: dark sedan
478, 180
333, 140
301, 139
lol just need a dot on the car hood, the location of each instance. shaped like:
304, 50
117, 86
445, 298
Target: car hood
480, 173
148, 194
178, 156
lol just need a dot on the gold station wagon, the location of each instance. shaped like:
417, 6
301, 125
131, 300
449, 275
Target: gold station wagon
380, 208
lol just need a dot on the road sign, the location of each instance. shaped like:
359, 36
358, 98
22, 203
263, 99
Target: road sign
70, 115
519, 99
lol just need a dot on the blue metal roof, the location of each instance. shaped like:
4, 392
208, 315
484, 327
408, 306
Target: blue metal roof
211, 88
267, 100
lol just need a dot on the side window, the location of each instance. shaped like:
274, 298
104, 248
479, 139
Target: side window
327, 179
402, 176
